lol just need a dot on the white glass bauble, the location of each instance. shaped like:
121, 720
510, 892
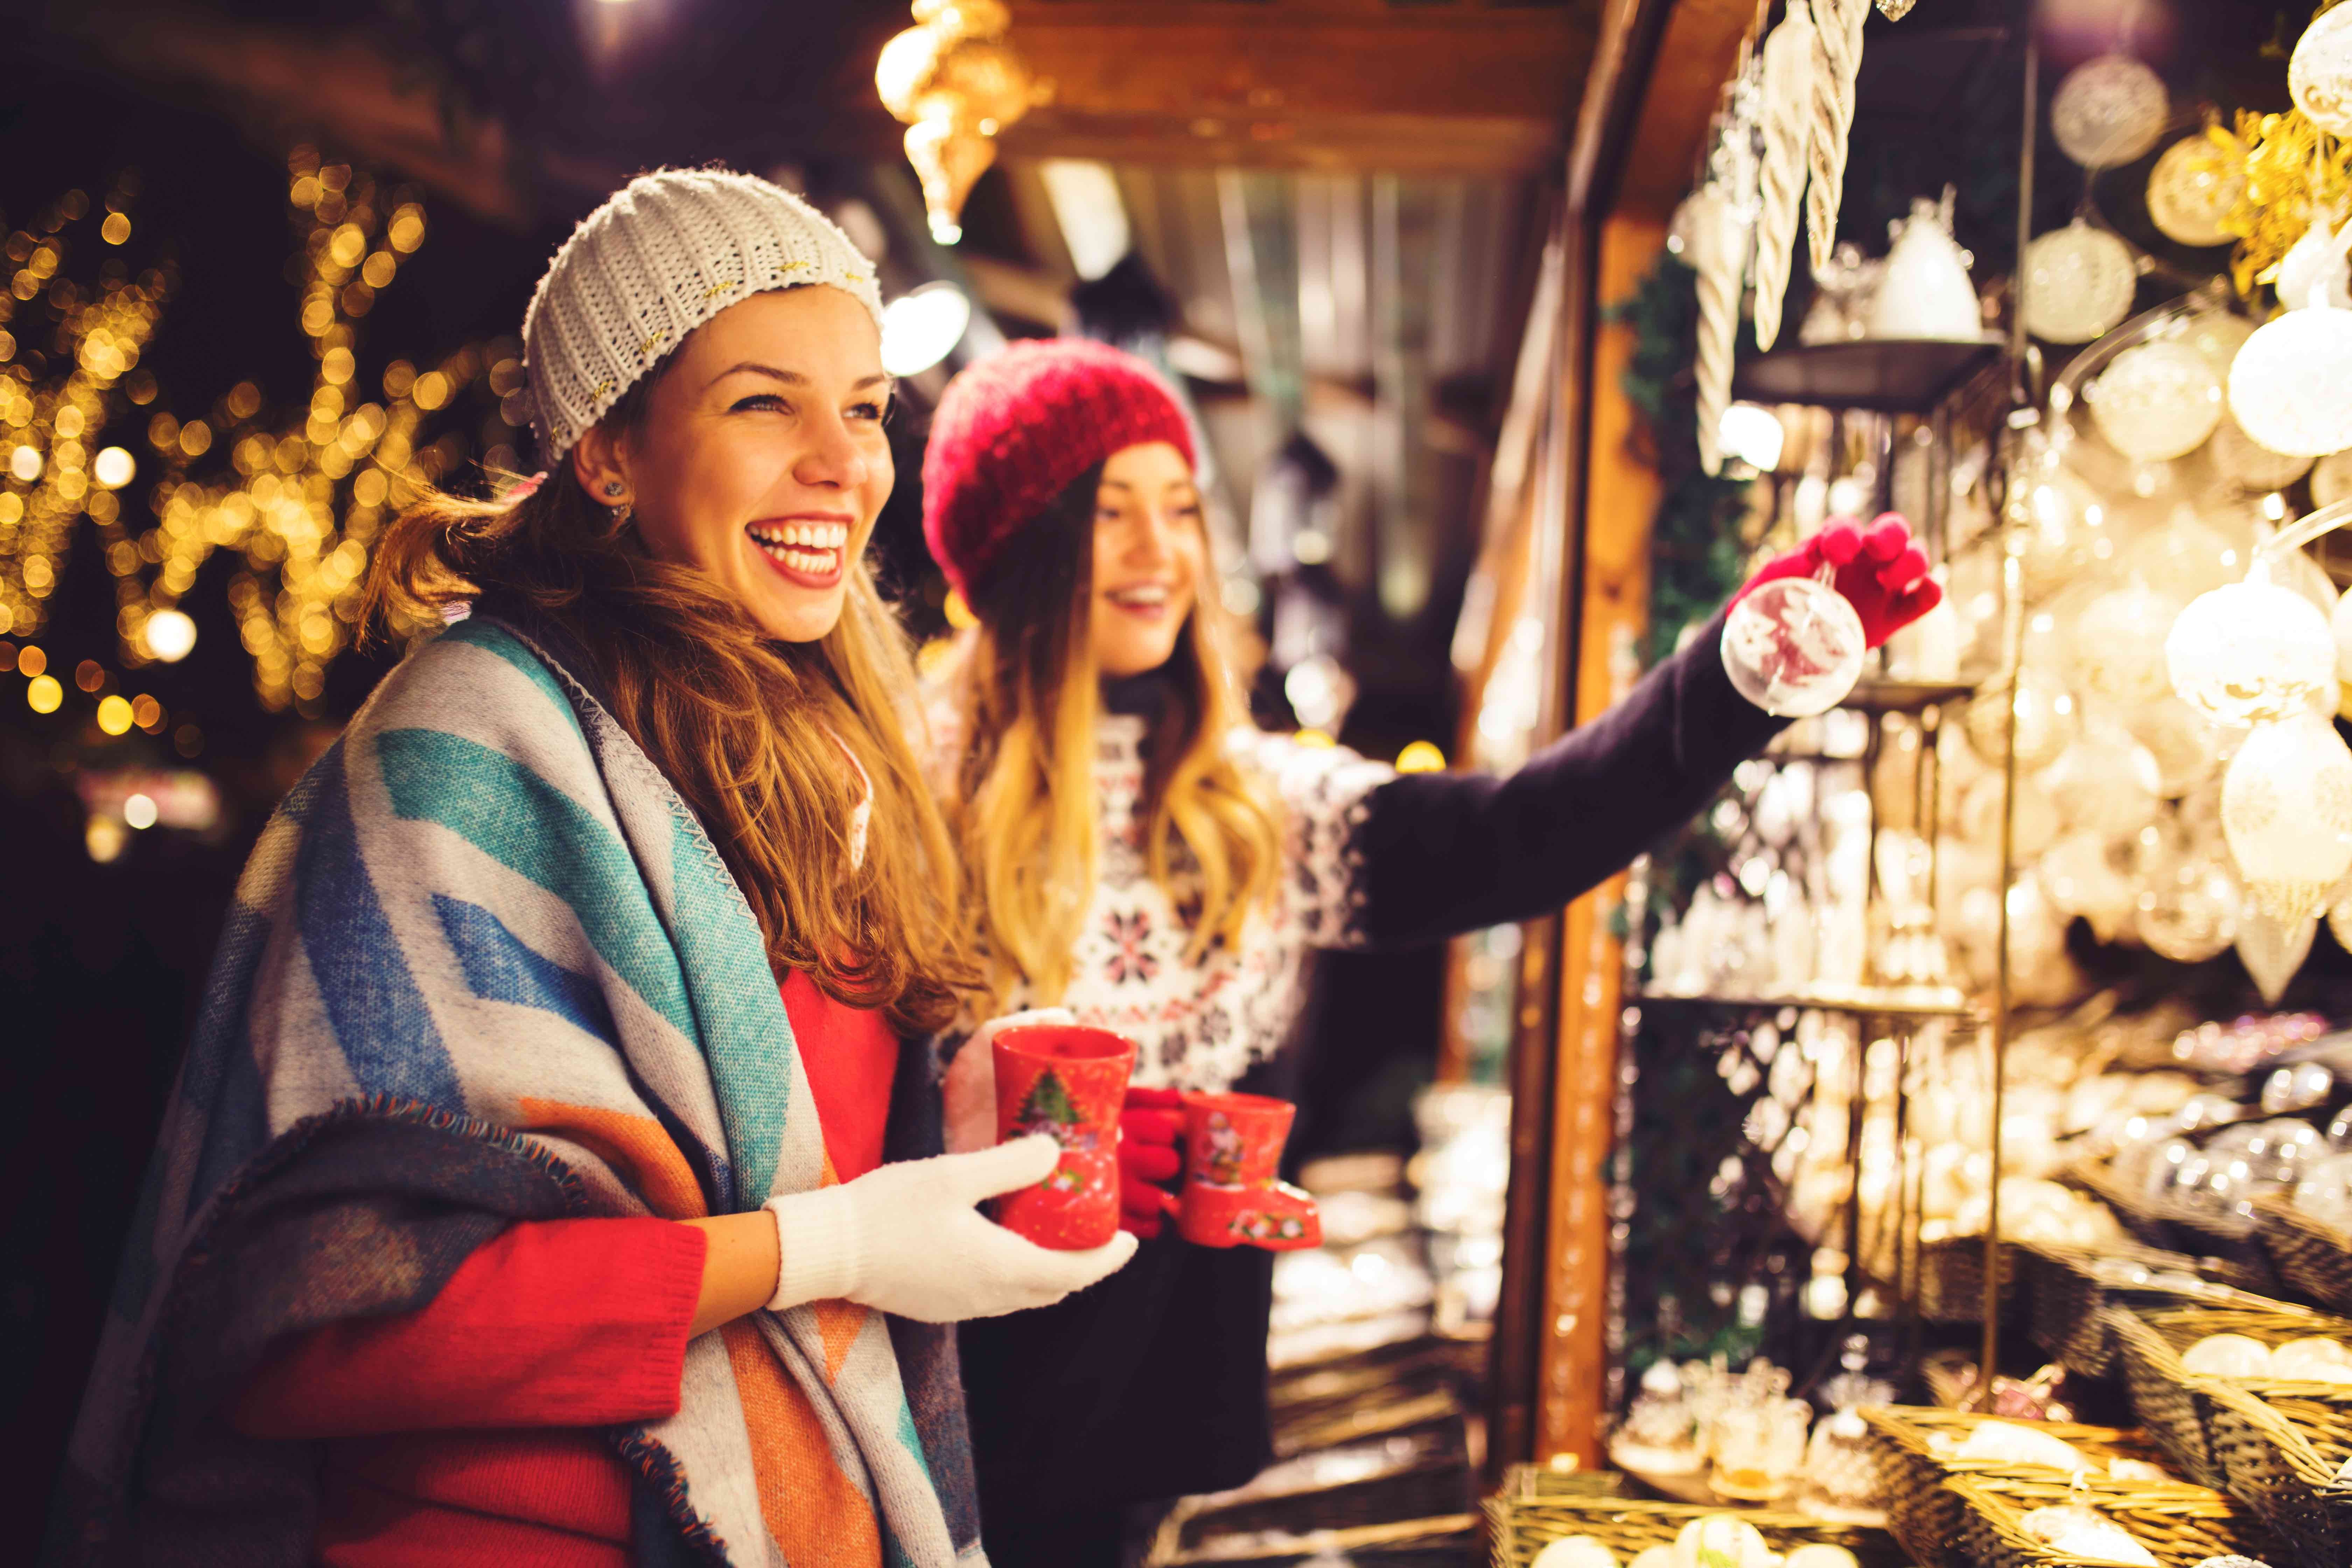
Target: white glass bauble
2273, 950
2079, 283
2184, 743
2188, 912
2313, 273
2291, 386
2116, 645
2105, 783
2218, 335
2082, 879
2186, 200
1576, 1552
2286, 811
2156, 402
2319, 73
2331, 478
1794, 647
1925, 291
2249, 652
2046, 722
2228, 1355
2255, 466
2079, 1534
2108, 110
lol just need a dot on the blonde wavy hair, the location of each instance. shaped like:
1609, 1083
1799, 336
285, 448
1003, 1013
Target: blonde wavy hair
1021, 798
744, 727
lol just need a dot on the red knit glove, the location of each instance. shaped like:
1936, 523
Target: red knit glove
1149, 1127
1882, 575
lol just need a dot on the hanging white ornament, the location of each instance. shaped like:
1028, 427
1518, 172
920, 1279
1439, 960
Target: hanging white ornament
2079, 283
1719, 255
2156, 402
2189, 913
2250, 464
1925, 292
2286, 812
2313, 271
2319, 73
1794, 647
2251, 652
1789, 55
2108, 111
1895, 10
2273, 950
2188, 198
1837, 60
2291, 386
2116, 645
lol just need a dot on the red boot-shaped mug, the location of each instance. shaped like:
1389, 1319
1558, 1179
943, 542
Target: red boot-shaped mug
1231, 1196
1066, 1082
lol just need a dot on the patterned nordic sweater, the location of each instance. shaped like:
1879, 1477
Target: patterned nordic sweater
1373, 858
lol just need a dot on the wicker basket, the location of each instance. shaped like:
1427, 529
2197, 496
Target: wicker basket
2181, 1525
1923, 1512
2280, 1453
1951, 1280
1538, 1507
2313, 1260
2175, 1404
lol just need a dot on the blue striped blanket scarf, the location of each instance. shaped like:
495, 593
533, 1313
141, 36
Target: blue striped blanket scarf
482, 959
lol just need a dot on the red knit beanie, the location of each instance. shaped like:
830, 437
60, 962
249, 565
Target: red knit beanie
1016, 429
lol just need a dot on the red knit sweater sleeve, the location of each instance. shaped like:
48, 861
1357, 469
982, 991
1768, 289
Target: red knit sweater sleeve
571, 1323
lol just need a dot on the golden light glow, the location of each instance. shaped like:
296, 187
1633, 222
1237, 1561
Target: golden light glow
147, 713
42, 694
1421, 757
139, 810
31, 660
114, 715
114, 468
955, 82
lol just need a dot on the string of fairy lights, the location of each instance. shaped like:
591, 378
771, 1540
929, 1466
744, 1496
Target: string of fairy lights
302, 494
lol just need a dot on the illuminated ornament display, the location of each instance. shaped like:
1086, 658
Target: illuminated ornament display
2079, 283
2319, 73
2156, 402
2291, 386
2251, 652
955, 82
2046, 722
2108, 111
2189, 197
2255, 466
2188, 912
2286, 813
1794, 647
2218, 335
2273, 950
2117, 646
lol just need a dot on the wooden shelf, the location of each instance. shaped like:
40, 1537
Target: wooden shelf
1883, 375
1874, 696
1874, 1001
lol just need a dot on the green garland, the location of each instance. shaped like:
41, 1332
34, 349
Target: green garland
1697, 557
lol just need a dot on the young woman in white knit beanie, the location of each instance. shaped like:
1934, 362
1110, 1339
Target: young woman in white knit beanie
554, 1175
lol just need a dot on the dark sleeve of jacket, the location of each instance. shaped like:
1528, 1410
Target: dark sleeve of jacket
1446, 853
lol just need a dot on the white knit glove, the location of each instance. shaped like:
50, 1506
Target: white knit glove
969, 1093
907, 1238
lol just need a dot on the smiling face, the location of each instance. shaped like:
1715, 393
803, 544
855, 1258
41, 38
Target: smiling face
762, 461
1150, 549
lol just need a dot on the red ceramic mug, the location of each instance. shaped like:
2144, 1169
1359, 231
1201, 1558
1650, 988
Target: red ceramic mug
1066, 1082
1233, 1196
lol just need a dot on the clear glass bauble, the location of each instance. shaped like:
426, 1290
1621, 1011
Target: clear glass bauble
2046, 722
2034, 824
2273, 950
2082, 879
2108, 111
1794, 648
2079, 283
2251, 652
2291, 386
2116, 647
2218, 334
2331, 478
2156, 402
2319, 73
2313, 273
2105, 783
2188, 912
2286, 812
2185, 743
2248, 463
2188, 198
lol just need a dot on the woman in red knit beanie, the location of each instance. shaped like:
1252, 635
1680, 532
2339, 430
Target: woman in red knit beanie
1140, 856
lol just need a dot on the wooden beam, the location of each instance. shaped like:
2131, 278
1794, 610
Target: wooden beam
1304, 83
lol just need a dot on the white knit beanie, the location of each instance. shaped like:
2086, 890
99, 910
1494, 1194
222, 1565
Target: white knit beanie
668, 251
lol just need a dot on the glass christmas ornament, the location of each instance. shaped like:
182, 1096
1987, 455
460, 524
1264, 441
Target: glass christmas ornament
2034, 826
2063, 519
2319, 73
2079, 283
2186, 201
2184, 743
2291, 386
2156, 402
2242, 459
2313, 274
2116, 645
1794, 646
2273, 950
2108, 110
1925, 291
2105, 783
2083, 1534
2046, 722
2082, 879
2188, 912
2252, 651
2286, 812
2218, 334
2331, 478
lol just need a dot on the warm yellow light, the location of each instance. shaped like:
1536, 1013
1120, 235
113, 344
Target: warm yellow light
431, 390
104, 838
31, 660
1314, 738
114, 468
25, 462
139, 810
114, 715
960, 613
146, 712
115, 229
42, 694
1421, 757
171, 635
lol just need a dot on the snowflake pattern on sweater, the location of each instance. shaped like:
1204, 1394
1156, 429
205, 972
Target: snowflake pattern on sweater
1200, 1025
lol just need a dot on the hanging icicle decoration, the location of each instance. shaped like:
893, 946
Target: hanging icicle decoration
1837, 60
1788, 90
1726, 228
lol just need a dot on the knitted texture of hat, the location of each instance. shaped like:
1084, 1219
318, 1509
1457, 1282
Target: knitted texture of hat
666, 253
1014, 431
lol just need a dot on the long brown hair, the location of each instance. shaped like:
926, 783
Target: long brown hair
744, 727
1021, 797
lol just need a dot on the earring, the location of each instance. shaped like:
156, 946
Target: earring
621, 515
613, 488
